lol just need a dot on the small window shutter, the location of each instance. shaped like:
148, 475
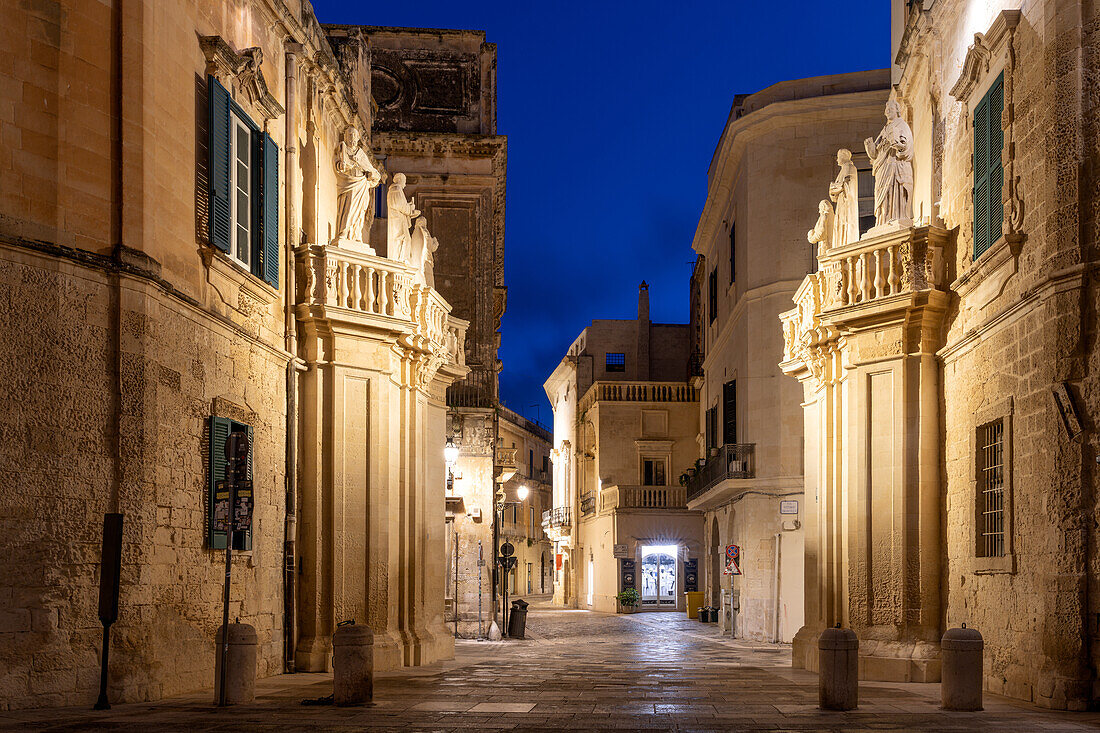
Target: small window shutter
219, 433
729, 412
266, 243
217, 147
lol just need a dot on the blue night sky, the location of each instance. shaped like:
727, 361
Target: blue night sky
612, 112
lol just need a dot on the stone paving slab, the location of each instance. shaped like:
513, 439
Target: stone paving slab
579, 671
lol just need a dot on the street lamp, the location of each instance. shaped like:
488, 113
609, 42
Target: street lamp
450, 456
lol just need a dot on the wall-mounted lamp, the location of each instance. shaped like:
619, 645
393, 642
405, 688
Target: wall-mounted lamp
522, 492
450, 452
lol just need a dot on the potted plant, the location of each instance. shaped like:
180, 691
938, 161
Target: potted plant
628, 600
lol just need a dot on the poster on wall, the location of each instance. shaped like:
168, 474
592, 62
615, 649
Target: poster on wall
733, 560
557, 561
691, 575
626, 574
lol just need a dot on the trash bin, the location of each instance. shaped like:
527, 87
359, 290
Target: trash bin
712, 615
517, 619
692, 601
701, 614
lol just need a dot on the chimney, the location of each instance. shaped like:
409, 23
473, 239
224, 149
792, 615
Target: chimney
643, 332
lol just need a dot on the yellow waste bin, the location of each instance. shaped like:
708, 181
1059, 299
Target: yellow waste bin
693, 600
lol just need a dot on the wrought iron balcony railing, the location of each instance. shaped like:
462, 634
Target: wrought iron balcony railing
478, 389
733, 460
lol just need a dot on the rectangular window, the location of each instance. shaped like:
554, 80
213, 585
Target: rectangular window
729, 412
614, 362
712, 427
241, 171
865, 181
243, 177
991, 489
733, 252
988, 169
653, 472
380, 201
530, 462
218, 510
712, 294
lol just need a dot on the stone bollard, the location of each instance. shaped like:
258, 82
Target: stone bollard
838, 665
352, 665
961, 675
240, 680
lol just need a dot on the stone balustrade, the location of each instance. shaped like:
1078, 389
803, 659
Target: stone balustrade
638, 392
643, 497
874, 274
348, 284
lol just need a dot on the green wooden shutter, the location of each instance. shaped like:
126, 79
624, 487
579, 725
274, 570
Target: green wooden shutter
988, 169
269, 197
220, 428
219, 214
996, 102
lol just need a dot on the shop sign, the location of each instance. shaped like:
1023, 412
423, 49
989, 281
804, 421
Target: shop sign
620, 551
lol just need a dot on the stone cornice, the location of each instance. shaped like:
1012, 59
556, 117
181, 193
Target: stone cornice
761, 122
985, 47
241, 70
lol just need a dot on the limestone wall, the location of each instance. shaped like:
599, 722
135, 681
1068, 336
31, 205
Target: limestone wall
1020, 328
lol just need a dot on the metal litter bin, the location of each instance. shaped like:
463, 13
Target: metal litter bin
517, 619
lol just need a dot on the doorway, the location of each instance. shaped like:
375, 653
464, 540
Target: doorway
659, 576
591, 580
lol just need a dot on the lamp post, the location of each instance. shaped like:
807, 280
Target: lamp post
505, 563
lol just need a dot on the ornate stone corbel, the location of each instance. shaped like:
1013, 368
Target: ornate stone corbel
242, 72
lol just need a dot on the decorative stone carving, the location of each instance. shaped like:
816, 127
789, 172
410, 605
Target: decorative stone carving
356, 178
401, 213
891, 154
422, 255
844, 191
822, 233
242, 71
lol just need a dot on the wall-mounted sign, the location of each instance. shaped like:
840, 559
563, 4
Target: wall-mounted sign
733, 560
626, 574
788, 506
691, 575
620, 551
557, 561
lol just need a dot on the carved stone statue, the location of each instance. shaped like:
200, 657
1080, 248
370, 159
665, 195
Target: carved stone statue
427, 261
400, 215
892, 164
845, 192
356, 177
822, 233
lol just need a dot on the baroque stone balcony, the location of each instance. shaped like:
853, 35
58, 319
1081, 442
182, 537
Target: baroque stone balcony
637, 392
731, 461
372, 293
557, 521
875, 282
643, 497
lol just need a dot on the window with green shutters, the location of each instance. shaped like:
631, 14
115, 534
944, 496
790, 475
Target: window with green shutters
243, 175
220, 428
988, 169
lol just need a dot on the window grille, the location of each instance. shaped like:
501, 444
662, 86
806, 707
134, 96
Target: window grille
614, 362
991, 489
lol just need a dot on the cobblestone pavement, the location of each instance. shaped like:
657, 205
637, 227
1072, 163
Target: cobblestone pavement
577, 671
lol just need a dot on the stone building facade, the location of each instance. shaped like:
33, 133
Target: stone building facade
169, 219
777, 146
625, 421
522, 525
947, 360
434, 93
